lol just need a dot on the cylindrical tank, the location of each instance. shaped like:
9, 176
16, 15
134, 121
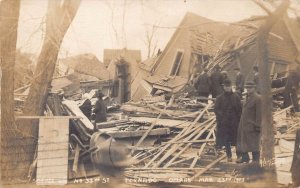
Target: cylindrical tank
109, 152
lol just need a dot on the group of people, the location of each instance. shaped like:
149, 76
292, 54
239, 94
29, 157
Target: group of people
206, 84
99, 110
237, 124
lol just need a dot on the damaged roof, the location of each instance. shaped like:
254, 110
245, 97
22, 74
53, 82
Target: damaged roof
87, 64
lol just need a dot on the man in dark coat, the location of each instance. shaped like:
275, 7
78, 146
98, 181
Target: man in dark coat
291, 90
202, 85
216, 82
86, 106
100, 109
248, 139
228, 109
239, 82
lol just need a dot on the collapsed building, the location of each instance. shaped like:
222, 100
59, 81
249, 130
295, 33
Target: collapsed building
199, 42
152, 138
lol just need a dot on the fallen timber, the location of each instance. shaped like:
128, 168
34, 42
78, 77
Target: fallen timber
183, 143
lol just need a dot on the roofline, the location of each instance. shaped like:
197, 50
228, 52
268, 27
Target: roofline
174, 36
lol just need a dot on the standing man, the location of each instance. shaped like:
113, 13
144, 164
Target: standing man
216, 82
228, 109
248, 139
202, 85
239, 82
291, 90
256, 78
100, 109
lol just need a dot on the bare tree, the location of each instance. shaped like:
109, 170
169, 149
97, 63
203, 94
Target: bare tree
150, 40
60, 15
9, 17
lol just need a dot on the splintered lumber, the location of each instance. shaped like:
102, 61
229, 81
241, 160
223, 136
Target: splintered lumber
182, 160
186, 129
74, 110
151, 126
175, 147
152, 110
110, 124
192, 141
208, 166
52, 161
163, 122
201, 149
189, 144
139, 133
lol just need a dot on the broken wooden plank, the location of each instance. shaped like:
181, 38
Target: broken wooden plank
192, 141
179, 135
151, 126
139, 133
189, 144
201, 150
110, 124
52, 161
75, 110
175, 147
163, 122
208, 166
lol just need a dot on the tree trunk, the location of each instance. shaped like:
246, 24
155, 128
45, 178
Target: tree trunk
267, 119
9, 17
59, 17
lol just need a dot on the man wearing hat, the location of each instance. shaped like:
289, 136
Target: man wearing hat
216, 82
100, 109
228, 110
202, 85
248, 139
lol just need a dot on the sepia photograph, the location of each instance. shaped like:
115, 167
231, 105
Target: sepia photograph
150, 93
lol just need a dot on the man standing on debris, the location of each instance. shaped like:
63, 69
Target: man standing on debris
86, 106
250, 126
256, 78
291, 90
202, 85
216, 82
228, 109
100, 109
239, 82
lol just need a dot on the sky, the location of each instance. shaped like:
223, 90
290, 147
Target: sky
111, 24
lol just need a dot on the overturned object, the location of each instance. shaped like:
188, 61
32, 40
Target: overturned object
109, 152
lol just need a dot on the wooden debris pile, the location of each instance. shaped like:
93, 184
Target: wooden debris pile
187, 154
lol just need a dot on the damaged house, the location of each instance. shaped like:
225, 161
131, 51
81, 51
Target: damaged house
200, 42
122, 66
